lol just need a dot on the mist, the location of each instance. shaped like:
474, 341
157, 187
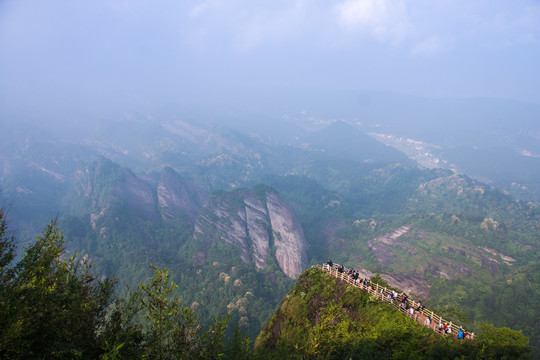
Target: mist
77, 61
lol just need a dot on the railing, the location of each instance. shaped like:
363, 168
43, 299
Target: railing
420, 315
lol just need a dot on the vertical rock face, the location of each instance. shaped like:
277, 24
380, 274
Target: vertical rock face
289, 237
254, 223
104, 181
175, 195
259, 223
257, 229
139, 196
224, 220
89, 182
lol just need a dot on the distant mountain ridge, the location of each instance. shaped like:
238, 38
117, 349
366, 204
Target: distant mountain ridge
259, 223
185, 196
102, 181
344, 141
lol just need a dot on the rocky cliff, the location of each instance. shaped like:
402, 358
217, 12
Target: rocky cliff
139, 196
104, 182
176, 195
260, 224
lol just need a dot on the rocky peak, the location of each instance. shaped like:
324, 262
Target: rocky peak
288, 236
102, 181
176, 195
255, 221
139, 196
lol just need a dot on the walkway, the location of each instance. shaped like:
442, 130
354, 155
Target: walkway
384, 294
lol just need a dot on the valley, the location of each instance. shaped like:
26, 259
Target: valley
173, 172
236, 219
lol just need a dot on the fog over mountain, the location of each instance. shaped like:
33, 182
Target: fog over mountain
451, 74
237, 143
68, 59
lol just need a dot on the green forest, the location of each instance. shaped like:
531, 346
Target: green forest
57, 307
472, 248
454, 222
324, 318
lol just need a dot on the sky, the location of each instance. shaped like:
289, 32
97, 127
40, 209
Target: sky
84, 54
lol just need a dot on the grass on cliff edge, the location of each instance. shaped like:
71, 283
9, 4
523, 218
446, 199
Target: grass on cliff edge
323, 317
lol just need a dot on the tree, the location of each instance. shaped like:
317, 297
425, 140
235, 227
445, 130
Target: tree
53, 306
161, 313
7, 251
172, 330
501, 343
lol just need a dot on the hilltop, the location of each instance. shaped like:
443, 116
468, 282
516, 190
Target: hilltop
323, 317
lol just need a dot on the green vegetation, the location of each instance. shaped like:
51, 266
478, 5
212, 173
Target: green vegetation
214, 283
461, 235
55, 307
473, 247
342, 207
52, 307
324, 318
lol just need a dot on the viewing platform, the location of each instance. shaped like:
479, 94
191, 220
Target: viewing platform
410, 307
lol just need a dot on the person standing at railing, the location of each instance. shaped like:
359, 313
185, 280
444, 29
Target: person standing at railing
415, 311
355, 276
404, 301
330, 264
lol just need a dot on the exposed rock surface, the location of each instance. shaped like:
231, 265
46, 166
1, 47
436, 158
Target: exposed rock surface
409, 283
104, 182
175, 195
288, 236
255, 222
456, 258
382, 245
257, 229
139, 196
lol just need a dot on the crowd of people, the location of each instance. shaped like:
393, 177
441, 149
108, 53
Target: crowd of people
412, 309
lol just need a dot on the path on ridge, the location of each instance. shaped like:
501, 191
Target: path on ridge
384, 294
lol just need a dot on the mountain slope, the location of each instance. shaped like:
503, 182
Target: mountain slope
259, 223
323, 317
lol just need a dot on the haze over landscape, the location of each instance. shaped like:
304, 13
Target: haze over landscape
238, 143
79, 55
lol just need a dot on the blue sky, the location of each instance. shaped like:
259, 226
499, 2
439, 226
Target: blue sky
150, 51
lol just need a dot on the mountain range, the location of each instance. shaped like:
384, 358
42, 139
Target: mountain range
238, 213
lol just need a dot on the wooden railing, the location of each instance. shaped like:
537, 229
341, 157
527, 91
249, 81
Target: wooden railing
384, 294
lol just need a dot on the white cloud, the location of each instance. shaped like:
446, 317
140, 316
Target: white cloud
384, 20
